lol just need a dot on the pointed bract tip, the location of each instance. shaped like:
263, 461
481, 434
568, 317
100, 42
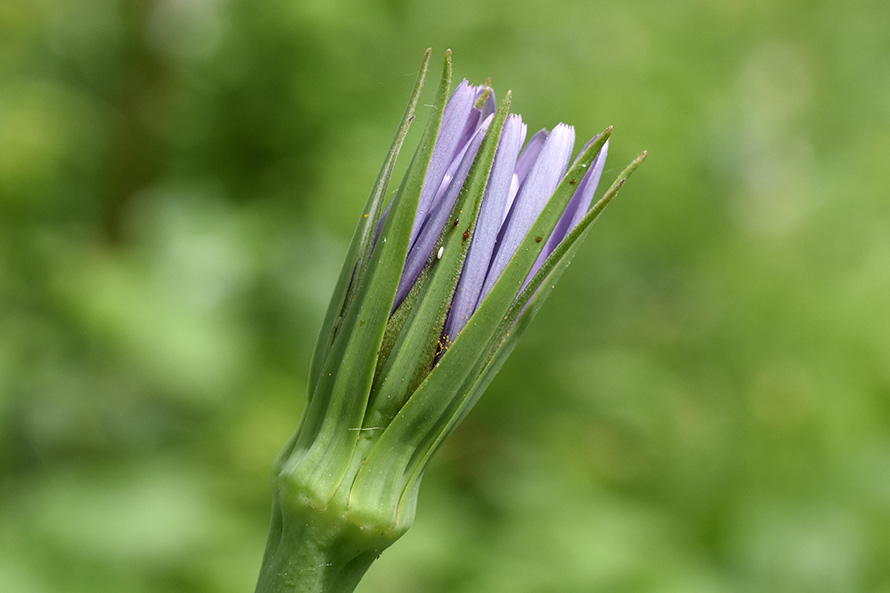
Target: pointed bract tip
632, 166
426, 62
622, 177
636, 162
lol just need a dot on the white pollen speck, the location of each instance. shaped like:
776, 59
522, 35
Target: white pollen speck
441, 251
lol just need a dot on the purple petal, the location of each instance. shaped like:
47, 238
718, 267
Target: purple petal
584, 195
429, 233
577, 207
471, 126
452, 132
489, 105
448, 178
535, 191
523, 166
530, 154
487, 225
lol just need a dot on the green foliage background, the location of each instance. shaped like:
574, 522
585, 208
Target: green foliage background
702, 406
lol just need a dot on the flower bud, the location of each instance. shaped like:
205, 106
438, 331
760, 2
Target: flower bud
437, 286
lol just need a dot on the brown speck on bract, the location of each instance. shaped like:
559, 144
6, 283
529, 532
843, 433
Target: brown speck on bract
466, 234
538, 239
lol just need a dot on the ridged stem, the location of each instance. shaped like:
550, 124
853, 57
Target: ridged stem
317, 551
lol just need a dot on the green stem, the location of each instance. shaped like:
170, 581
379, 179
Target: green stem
314, 551
324, 533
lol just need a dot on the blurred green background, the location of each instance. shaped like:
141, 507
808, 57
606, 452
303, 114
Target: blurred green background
702, 406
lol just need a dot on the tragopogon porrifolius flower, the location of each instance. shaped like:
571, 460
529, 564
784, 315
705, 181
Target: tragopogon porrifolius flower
437, 286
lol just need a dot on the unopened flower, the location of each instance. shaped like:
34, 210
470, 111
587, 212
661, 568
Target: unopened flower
437, 286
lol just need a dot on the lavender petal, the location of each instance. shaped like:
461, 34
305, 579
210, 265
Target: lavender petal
489, 105
454, 122
577, 207
487, 225
429, 233
523, 166
535, 191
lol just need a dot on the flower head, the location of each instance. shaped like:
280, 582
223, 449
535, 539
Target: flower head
437, 286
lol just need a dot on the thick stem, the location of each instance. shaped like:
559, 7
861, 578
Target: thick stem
324, 533
314, 551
